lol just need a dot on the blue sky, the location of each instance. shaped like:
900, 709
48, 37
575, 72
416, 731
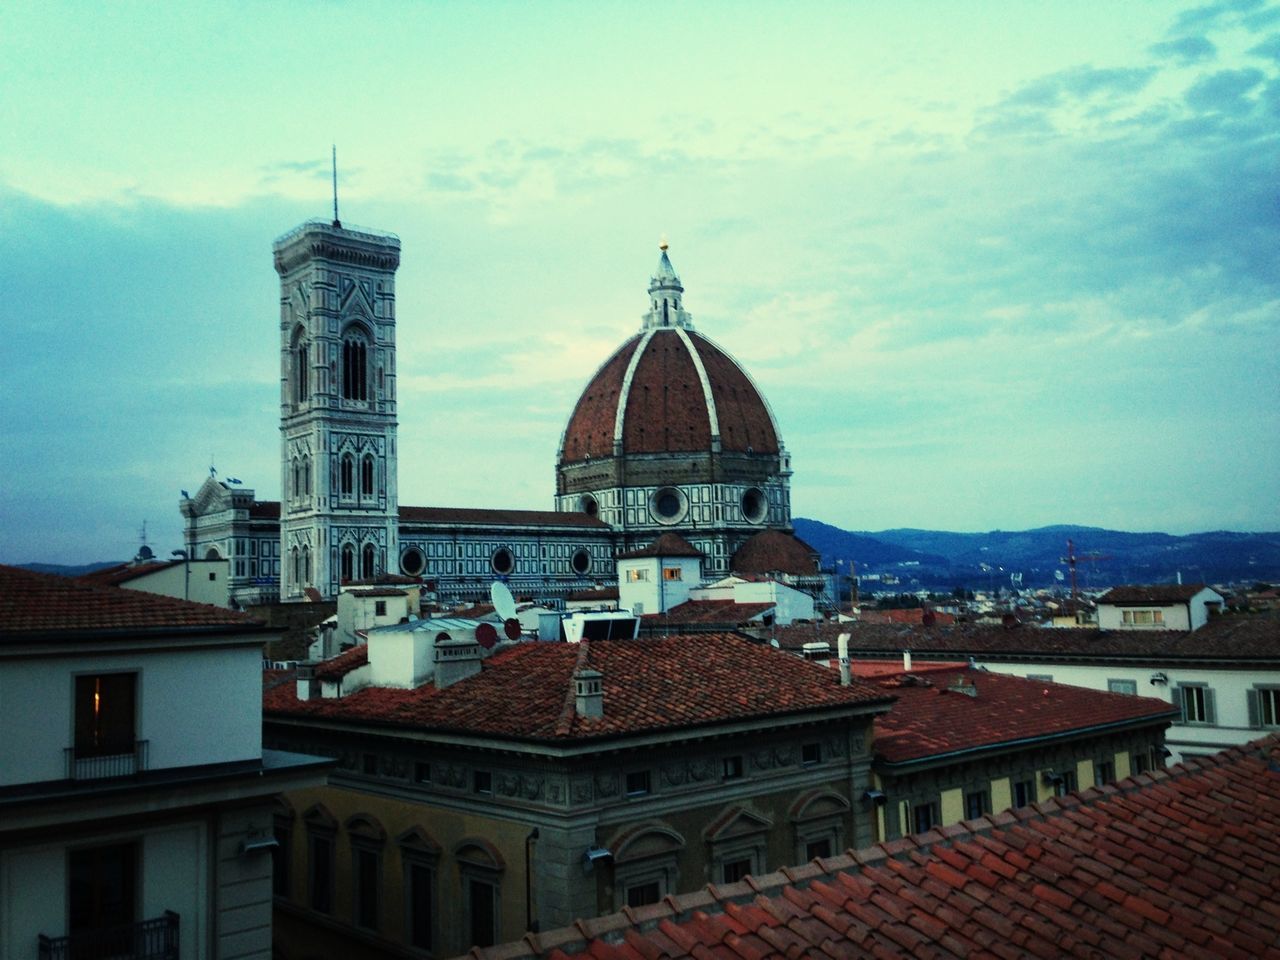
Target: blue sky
993, 268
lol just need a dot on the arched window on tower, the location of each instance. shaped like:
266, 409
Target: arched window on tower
300, 366
297, 567
355, 367
366, 476
296, 490
306, 565
366, 562
347, 471
348, 563
306, 477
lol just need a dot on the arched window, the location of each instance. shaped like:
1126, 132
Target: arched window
348, 474
306, 564
348, 563
297, 566
306, 477
366, 476
355, 367
366, 562
300, 360
297, 479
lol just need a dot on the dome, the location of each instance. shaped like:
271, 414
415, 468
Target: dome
775, 551
669, 390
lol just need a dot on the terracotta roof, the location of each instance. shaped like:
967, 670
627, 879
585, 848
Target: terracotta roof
1229, 638
603, 593
914, 615
930, 720
46, 604
476, 517
775, 551
724, 613
338, 667
1158, 593
1179, 863
525, 692
666, 405
667, 545
373, 591
384, 579
123, 573
265, 510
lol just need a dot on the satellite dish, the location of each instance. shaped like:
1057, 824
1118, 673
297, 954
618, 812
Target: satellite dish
486, 636
511, 627
504, 604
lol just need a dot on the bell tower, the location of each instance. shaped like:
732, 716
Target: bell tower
339, 514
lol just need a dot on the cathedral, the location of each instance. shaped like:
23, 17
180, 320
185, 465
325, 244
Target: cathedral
670, 435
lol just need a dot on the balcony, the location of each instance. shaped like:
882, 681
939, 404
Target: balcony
104, 767
146, 940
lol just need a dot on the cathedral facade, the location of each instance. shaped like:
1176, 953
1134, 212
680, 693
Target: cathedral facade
669, 435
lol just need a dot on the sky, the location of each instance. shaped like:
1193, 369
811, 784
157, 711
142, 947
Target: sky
995, 266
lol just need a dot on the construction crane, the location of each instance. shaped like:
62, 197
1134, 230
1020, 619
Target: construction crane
1071, 559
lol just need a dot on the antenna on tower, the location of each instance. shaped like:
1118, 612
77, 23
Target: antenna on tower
336, 221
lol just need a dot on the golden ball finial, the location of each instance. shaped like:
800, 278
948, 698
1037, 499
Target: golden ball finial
662, 243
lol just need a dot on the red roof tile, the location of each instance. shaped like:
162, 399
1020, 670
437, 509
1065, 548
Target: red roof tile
915, 615
600, 594
988, 893
1158, 593
667, 545
265, 510
726, 613
41, 603
775, 551
666, 683
338, 667
476, 517
930, 720
123, 573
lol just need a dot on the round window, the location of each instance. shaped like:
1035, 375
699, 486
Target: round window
588, 505
412, 563
502, 561
581, 562
755, 506
668, 505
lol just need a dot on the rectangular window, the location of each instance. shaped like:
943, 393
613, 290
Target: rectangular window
976, 804
482, 911
1264, 707
105, 711
1024, 793
368, 880
924, 816
420, 901
1104, 771
422, 772
482, 782
638, 783
1139, 762
1040, 677
637, 576
1123, 686
735, 870
102, 892
732, 768
671, 573
817, 848
810, 754
320, 872
1065, 784
281, 854
379, 608
1196, 703
643, 894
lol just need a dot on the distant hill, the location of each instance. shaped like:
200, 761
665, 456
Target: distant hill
65, 570
976, 558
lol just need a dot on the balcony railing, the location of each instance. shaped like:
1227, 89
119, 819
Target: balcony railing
155, 939
113, 765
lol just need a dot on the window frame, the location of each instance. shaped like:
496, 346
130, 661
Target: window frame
638, 791
1123, 686
111, 723
1202, 703
1264, 698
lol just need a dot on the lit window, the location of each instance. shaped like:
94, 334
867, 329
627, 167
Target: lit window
637, 576
671, 573
104, 715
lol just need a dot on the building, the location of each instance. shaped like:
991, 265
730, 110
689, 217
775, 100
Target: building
476, 797
1222, 679
1161, 607
1178, 863
669, 435
201, 581
136, 806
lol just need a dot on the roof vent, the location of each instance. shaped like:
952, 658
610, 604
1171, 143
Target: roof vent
962, 684
456, 660
588, 691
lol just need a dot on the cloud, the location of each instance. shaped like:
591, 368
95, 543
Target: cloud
1269, 48
1185, 50
1225, 91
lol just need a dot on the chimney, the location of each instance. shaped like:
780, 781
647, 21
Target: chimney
307, 684
588, 689
962, 684
842, 649
906, 661
456, 660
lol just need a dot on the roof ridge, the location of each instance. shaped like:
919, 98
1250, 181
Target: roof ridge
564, 723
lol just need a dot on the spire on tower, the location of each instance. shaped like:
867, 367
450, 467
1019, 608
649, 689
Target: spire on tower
665, 295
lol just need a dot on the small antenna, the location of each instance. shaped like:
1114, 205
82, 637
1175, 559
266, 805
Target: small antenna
336, 221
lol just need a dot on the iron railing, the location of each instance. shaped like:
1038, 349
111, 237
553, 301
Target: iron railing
155, 939
113, 765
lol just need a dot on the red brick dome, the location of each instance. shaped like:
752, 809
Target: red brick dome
669, 390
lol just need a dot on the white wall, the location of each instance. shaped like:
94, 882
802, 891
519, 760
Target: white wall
193, 706
402, 658
657, 594
359, 613
173, 581
1174, 617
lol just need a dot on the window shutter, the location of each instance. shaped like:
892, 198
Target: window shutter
1210, 711
1176, 694
1251, 697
